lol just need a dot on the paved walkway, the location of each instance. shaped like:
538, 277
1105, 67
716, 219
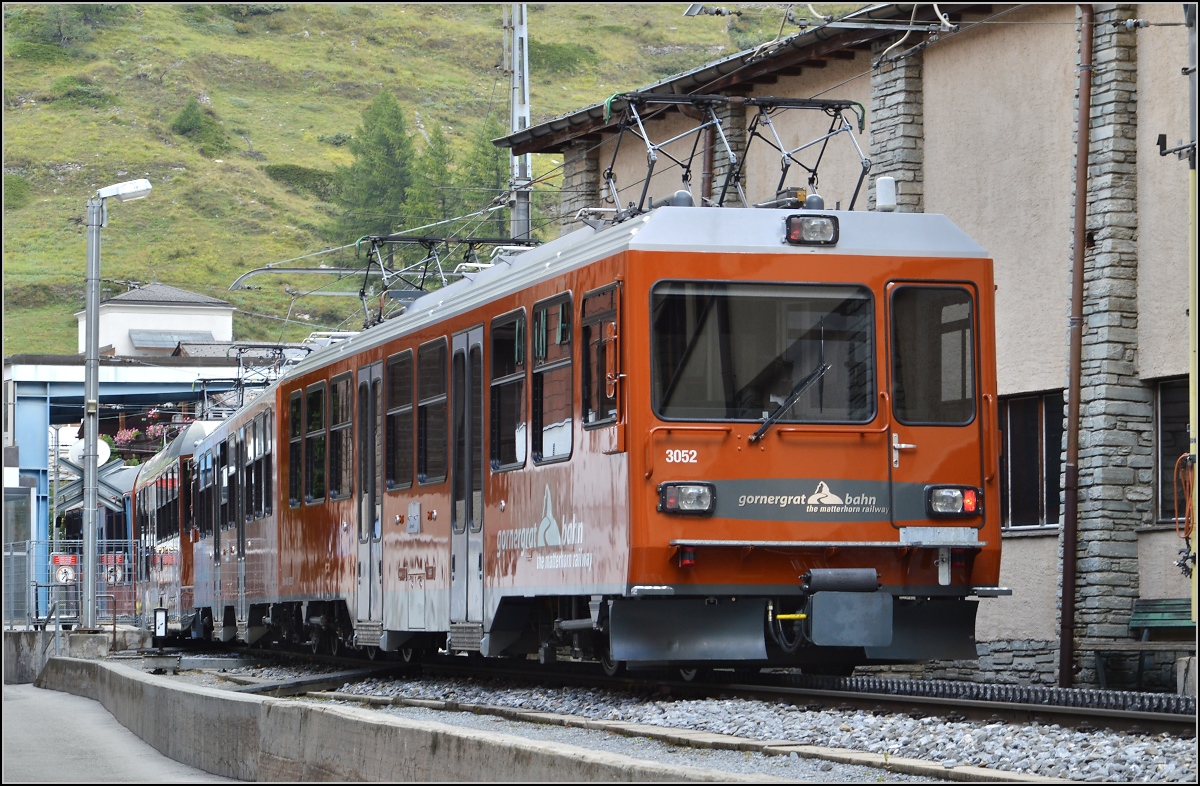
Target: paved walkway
54, 737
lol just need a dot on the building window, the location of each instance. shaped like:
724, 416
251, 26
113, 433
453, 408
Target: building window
508, 392
314, 444
295, 430
431, 412
399, 461
1172, 439
552, 377
1031, 459
341, 450
599, 331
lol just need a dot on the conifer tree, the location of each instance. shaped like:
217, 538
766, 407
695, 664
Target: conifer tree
432, 195
483, 174
372, 190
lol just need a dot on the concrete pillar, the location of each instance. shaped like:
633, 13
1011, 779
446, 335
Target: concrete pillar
581, 185
1116, 462
898, 127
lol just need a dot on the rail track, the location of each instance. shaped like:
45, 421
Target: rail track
1080, 709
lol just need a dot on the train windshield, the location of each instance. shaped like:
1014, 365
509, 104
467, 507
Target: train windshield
728, 351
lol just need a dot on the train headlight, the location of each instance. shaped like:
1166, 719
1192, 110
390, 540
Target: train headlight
953, 501
812, 230
696, 499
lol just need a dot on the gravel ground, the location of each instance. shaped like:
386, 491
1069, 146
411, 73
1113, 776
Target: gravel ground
1036, 749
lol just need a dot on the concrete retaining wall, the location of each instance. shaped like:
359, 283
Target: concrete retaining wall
261, 739
26, 651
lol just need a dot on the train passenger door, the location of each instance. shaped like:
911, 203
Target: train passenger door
466, 477
237, 456
370, 492
938, 417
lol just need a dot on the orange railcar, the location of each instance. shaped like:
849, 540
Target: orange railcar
699, 436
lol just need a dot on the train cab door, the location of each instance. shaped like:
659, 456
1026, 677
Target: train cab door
937, 417
466, 477
370, 493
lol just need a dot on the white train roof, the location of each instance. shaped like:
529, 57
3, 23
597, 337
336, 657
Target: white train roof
681, 229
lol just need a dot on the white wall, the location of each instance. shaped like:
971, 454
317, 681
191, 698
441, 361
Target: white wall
1030, 568
998, 161
1162, 107
1157, 575
116, 320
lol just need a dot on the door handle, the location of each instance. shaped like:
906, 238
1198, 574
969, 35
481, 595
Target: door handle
898, 446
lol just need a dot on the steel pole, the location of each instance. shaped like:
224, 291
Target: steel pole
91, 411
521, 171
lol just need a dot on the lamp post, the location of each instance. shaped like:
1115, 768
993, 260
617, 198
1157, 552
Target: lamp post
97, 217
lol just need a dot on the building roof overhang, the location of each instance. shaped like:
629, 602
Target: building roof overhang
811, 47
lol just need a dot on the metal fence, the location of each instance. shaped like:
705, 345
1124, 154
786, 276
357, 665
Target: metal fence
39, 574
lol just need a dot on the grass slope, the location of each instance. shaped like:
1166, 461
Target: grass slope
93, 101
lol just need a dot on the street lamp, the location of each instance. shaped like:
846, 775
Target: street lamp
97, 217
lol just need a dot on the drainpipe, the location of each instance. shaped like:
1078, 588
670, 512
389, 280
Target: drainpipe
1066, 643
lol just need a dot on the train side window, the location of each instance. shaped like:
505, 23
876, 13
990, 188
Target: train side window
933, 356
249, 456
268, 489
431, 412
314, 444
551, 397
341, 449
204, 498
237, 442
399, 460
295, 427
598, 344
508, 392
223, 477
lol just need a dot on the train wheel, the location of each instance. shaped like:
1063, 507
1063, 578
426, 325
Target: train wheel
372, 653
315, 643
335, 643
694, 675
611, 667
409, 655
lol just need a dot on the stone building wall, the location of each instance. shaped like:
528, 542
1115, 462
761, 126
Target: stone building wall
1116, 409
898, 128
581, 181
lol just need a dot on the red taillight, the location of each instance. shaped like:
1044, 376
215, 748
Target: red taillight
970, 501
687, 557
671, 498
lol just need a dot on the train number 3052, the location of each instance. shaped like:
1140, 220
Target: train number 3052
681, 457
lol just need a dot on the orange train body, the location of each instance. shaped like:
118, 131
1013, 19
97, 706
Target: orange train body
680, 439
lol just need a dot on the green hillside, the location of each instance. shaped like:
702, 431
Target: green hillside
93, 95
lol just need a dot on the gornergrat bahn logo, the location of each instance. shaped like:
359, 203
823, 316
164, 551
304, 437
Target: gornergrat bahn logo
545, 533
821, 500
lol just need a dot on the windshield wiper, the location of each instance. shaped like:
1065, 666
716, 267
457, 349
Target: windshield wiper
798, 391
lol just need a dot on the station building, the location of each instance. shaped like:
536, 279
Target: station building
975, 115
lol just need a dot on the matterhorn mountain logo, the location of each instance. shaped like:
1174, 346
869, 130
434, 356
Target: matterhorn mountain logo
548, 533
823, 496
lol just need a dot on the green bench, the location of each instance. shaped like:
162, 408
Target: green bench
1171, 616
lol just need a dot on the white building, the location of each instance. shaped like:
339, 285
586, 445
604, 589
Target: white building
153, 320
